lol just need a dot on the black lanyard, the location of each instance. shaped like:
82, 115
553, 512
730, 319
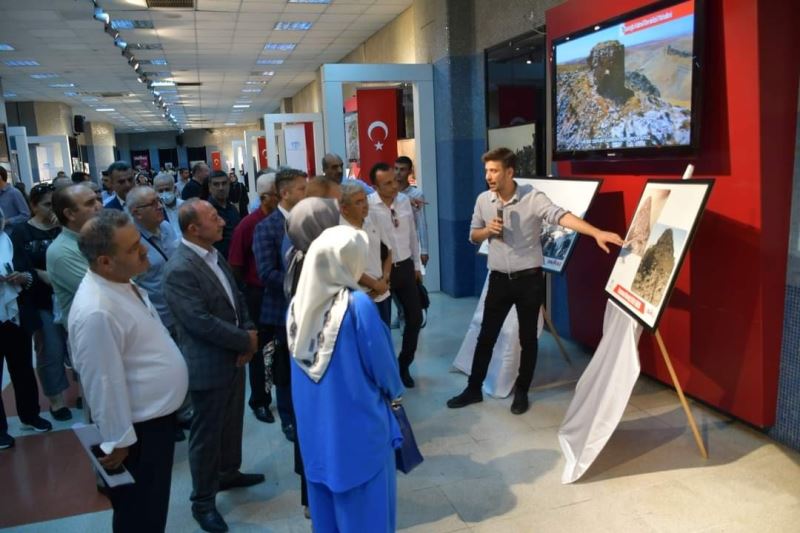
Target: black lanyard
154, 245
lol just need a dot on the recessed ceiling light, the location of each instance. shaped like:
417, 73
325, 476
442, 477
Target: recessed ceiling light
230, 123
255, 82
9, 95
6, 47
268, 73
105, 109
241, 106
292, 26
309, 1
62, 85
71, 94
282, 47
127, 24
159, 61
21, 63
251, 90
163, 84
44, 75
269, 62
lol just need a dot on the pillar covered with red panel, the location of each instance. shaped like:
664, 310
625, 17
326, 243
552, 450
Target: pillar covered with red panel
724, 324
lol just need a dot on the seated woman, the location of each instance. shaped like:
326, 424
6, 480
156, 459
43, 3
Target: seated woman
344, 374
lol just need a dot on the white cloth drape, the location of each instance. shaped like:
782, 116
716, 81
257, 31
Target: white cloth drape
504, 366
602, 393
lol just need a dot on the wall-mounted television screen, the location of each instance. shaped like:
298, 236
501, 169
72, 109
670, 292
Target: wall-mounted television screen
629, 86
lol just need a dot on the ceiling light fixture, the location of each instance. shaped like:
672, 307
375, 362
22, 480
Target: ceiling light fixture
269, 62
44, 75
309, 1
292, 26
9, 95
281, 47
120, 43
251, 90
6, 47
21, 63
241, 106
101, 15
62, 85
163, 84
105, 109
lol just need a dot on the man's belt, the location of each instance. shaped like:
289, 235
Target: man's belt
519, 273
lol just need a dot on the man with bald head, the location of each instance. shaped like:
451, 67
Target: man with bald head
333, 167
217, 339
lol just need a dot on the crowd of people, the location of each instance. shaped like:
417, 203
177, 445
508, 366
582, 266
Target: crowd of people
166, 295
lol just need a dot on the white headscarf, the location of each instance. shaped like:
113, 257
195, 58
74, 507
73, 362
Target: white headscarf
334, 263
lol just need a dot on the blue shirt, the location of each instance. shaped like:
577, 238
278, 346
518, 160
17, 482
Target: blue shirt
267, 245
344, 423
159, 249
14, 206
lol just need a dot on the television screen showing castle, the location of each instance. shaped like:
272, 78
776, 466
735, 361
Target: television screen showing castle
627, 85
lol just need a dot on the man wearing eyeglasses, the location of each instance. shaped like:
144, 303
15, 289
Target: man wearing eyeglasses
243, 264
394, 213
161, 241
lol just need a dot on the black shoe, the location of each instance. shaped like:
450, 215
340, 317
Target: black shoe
520, 403
61, 414
467, 397
405, 377
210, 520
241, 480
180, 436
37, 424
289, 432
6, 441
264, 415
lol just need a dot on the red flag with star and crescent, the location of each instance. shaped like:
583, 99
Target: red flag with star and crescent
377, 128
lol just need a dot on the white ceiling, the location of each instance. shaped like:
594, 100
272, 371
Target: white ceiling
218, 44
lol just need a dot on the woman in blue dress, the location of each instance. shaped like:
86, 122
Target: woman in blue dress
344, 374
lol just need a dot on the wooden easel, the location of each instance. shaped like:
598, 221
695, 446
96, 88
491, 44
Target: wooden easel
697, 438
551, 326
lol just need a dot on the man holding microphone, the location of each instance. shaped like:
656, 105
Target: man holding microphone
511, 217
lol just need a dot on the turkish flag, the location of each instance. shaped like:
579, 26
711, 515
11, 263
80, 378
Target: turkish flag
216, 161
262, 153
377, 127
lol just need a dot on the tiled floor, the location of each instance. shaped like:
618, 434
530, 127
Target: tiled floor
487, 470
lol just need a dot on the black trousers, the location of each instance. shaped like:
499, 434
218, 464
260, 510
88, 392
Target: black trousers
259, 395
404, 286
526, 294
215, 440
17, 349
143, 506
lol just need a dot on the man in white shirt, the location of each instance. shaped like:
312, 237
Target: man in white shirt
393, 212
375, 281
133, 375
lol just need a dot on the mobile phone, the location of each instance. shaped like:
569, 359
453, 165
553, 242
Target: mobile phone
99, 453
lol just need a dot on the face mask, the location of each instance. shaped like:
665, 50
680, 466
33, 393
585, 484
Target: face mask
168, 198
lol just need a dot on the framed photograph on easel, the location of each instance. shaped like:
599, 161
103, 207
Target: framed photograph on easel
574, 195
655, 246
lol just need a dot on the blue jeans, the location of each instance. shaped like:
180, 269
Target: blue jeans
50, 343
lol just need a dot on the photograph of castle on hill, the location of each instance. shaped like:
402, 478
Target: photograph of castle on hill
628, 85
655, 246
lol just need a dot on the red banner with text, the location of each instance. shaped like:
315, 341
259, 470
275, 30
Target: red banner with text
377, 127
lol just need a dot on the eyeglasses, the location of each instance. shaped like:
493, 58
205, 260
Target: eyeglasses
155, 204
395, 221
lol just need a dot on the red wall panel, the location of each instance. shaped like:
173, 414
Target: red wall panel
724, 324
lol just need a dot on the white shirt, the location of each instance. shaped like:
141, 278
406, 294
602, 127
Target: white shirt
375, 236
211, 258
403, 236
131, 370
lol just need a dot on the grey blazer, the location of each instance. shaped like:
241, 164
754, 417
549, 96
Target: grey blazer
205, 320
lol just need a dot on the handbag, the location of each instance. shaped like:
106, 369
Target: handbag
424, 302
407, 456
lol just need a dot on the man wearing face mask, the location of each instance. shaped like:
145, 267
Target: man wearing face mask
166, 189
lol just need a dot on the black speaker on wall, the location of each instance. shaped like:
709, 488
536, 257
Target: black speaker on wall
179, 140
77, 123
